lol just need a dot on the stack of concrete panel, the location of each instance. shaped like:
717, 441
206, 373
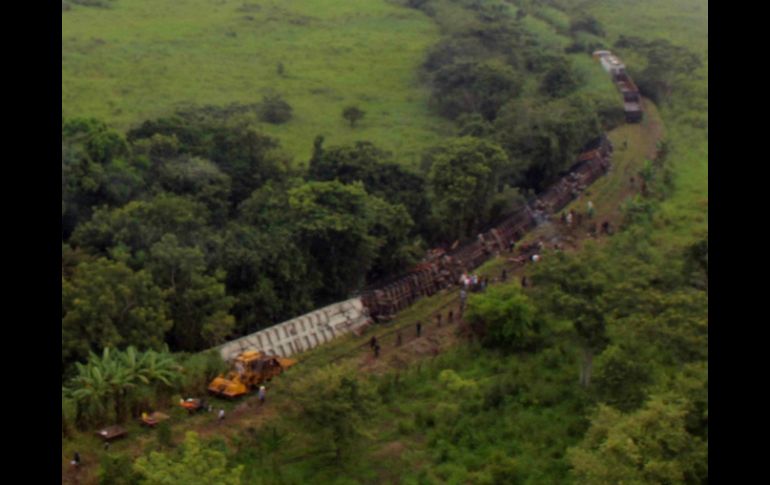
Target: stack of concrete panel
303, 332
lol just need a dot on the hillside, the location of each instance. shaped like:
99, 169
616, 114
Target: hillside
137, 60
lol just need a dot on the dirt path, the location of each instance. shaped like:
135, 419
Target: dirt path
633, 145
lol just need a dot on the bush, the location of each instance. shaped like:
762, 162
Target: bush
198, 370
116, 469
274, 109
455, 383
164, 435
506, 386
508, 317
406, 427
424, 419
622, 377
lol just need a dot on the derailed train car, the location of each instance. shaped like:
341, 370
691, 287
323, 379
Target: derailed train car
442, 268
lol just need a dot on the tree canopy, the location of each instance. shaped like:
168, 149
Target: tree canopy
198, 465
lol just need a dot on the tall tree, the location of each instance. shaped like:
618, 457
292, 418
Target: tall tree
337, 224
135, 227
105, 303
464, 179
380, 175
560, 80
97, 169
650, 446
197, 302
574, 287
545, 138
472, 87
199, 179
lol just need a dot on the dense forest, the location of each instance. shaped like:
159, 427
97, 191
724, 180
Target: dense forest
198, 226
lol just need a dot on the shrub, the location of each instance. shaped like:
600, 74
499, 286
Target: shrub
424, 419
198, 370
274, 109
116, 469
164, 435
454, 382
353, 114
508, 317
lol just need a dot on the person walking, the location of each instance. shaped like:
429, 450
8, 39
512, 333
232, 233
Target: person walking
372, 342
590, 210
419, 329
221, 414
262, 394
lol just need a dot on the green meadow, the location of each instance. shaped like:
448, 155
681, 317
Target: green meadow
141, 59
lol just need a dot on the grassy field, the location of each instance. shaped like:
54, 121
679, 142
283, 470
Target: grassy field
141, 59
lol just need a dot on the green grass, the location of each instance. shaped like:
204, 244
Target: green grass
141, 59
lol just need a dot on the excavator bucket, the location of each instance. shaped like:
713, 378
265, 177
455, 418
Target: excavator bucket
227, 388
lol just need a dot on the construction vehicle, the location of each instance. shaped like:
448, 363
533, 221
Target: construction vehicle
193, 405
249, 370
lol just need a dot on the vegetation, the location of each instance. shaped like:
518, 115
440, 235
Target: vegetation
353, 114
184, 225
141, 60
198, 465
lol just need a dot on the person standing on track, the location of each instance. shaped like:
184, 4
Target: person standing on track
261, 394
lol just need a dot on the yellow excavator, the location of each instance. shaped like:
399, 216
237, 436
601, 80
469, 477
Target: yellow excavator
249, 370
